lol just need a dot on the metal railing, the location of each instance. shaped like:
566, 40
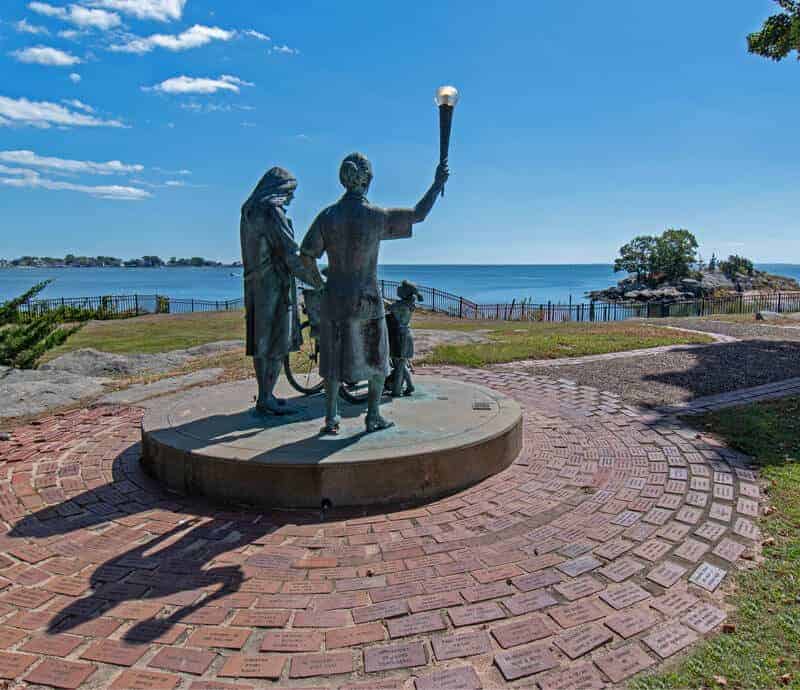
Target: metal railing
441, 302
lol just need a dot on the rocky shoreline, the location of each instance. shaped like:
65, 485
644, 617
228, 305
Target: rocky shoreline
706, 284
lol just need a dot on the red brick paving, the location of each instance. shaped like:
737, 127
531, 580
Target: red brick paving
604, 549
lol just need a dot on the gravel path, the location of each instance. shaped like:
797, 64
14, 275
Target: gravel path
684, 374
747, 330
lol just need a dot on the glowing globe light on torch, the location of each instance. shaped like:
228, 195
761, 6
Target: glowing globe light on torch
446, 99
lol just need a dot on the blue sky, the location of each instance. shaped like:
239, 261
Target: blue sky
580, 125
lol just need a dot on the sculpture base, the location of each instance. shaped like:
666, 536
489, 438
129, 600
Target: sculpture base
448, 436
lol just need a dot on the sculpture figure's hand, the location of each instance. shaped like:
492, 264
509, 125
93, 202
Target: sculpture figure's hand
442, 174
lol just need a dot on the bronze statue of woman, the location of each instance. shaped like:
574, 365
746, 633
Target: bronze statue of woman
354, 344
271, 262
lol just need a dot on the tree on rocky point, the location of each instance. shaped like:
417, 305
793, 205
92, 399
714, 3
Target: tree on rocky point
637, 257
676, 251
780, 33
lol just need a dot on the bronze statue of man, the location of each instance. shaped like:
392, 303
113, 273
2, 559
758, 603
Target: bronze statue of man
354, 344
271, 262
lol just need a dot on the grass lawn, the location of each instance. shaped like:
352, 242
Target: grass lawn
509, 340
156, 333
764, 651
512, 341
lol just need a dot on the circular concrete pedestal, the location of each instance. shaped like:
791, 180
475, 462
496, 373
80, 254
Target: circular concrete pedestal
448, 435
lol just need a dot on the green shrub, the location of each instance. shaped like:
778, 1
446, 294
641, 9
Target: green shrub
25, 338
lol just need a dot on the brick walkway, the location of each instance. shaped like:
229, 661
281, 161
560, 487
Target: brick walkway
603, 550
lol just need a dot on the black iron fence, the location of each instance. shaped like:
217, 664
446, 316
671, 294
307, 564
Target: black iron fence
439, 301
124, 306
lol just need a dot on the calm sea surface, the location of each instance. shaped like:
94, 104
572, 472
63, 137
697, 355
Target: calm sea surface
482, 284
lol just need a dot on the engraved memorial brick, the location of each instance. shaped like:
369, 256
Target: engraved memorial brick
241, 666
461, 645
666, 573
582, 611
704, 618
224, 638
673, 603
416, 624
670, 639
13, 665
58, 673
520, 632
291, 641
624, 662
387, 609
459, 678
622, 569
631, 622
354, 635
321, 664
390, 657
520, 604
708, 576
475, 613
114, 652
583, 676
525, 661
182, 660
653, 550
729, 550
579, 641
543, 578
691, 550
579, 588
624, 595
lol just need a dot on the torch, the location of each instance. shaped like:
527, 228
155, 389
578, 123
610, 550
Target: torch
446, 99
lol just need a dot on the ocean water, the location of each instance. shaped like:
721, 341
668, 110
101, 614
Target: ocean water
487, 284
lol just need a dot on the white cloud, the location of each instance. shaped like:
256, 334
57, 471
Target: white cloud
80, 105
198, 85
252, 33
43, 114
78, 15
29, 159
160, 10
45, 55
74, 77
25, 27
33, 180
5, 170
174, 183
284, 50
193, 37
71, 34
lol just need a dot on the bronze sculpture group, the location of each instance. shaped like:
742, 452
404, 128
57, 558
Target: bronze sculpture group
353, 335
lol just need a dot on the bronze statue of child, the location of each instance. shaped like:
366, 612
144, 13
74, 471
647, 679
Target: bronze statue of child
401, 339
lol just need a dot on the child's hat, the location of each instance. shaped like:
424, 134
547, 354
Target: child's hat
407, 289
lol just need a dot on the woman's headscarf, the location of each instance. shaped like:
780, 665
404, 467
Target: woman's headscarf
273, 188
